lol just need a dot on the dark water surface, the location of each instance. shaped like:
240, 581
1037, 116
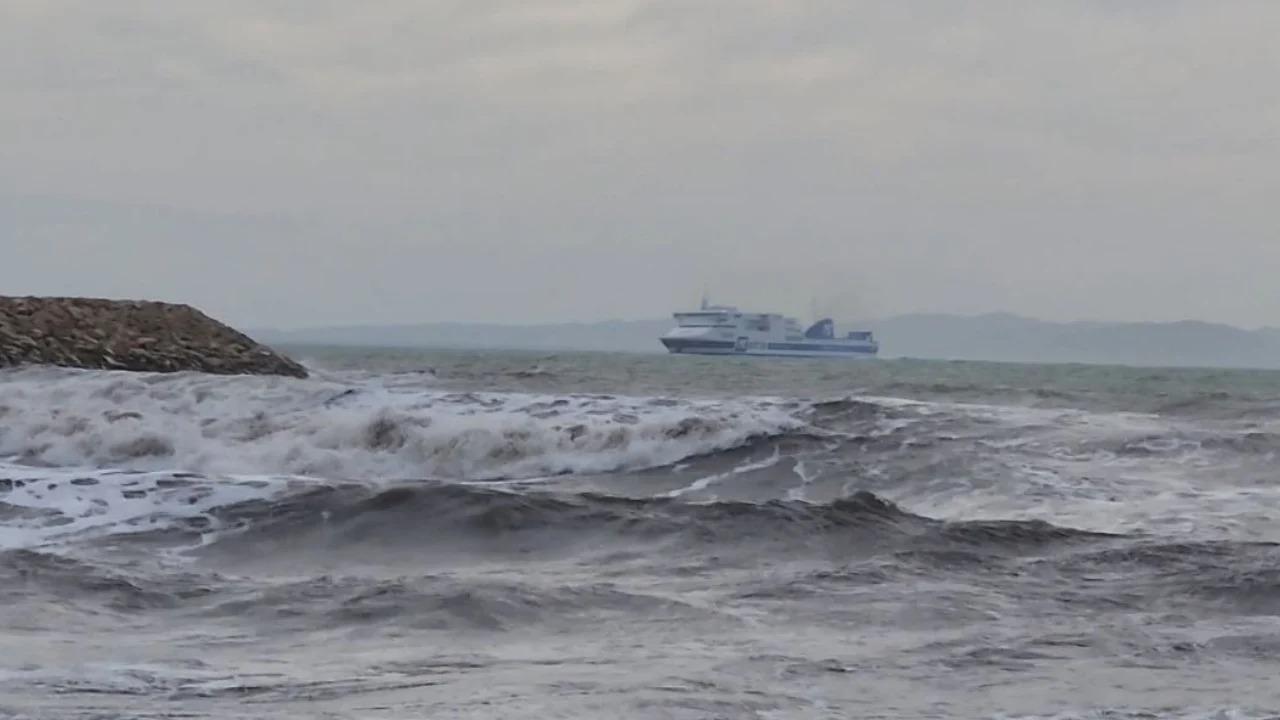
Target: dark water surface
466, 535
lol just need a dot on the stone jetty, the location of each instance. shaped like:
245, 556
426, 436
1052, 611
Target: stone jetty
142, 336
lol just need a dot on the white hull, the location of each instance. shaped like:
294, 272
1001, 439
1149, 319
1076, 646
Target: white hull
845, 355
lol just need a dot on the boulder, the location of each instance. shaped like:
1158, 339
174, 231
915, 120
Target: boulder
142, 336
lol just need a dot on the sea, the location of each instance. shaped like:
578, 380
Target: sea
453, 534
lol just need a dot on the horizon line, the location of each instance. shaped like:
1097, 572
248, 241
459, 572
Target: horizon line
624, 321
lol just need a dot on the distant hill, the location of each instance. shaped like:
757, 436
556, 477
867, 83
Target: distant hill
608, 335
996, 337
1011, 338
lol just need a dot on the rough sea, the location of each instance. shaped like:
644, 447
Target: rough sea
538, 535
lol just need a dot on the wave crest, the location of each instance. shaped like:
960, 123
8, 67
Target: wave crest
236, 426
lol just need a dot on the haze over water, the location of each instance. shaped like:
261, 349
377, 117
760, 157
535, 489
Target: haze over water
284, 164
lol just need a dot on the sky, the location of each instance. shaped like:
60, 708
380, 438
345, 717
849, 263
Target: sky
292, 163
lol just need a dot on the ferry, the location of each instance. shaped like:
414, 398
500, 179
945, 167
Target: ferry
726, 330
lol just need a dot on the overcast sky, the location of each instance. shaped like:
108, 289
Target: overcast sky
300, 162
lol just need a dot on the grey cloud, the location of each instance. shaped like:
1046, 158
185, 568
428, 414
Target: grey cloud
1087, 159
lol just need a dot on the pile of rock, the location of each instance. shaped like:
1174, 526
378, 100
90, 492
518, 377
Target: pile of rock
102, 334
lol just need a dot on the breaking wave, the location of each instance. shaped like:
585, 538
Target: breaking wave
373, 430
87, 454
238, 523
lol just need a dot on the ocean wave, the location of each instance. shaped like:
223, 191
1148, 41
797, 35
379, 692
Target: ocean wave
374, 430
798, 550
1172, 441
101, 453
92, 585
1237, 577
165, 509
441, 517
435, 602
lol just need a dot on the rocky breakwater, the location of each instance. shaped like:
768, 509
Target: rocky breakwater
142, 336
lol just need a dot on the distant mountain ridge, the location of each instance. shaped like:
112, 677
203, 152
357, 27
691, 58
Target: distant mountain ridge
995, 337
605, 335
1012, 338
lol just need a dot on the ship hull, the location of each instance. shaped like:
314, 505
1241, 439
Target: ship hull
682, 346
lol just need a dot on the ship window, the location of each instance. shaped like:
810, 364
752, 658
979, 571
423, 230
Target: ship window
701, 319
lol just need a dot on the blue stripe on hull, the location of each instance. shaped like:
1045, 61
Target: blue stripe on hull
779, 354
698, 346
822, 349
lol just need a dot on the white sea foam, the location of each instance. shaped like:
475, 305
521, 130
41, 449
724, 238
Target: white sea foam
52, 505
84, 452
370, 429
247, 435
